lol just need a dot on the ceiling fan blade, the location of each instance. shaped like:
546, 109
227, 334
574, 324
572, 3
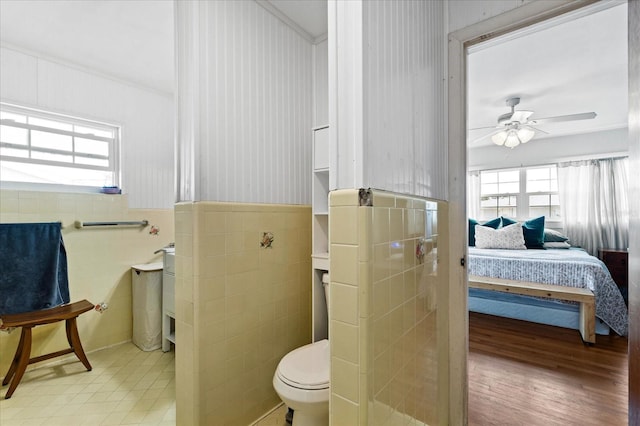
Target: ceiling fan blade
485, 128
521, 116
571, 117
481, 138
535, 129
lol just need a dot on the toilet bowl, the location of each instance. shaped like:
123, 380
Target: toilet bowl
302, 379
302, 383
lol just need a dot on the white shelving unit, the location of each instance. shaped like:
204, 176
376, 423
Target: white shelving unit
168, 300
320, 231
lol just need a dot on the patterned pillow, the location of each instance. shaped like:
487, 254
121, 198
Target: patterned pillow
493, 223
508, 237
533, 231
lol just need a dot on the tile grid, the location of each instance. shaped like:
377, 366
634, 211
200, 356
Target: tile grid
382, 310
241, 306
126, 387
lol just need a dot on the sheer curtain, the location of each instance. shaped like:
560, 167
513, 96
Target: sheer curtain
594, 203
473, 194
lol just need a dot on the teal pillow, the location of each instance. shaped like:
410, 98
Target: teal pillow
552, 236
493, 223
533, 230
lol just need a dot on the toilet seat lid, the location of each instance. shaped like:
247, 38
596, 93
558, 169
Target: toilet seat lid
306, 367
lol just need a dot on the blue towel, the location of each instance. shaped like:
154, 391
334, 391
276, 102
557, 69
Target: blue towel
33, 267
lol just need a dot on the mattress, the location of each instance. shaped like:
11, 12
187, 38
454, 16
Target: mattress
573, 268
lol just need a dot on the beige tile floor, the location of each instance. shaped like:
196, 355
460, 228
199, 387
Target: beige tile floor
275, 418
127, 386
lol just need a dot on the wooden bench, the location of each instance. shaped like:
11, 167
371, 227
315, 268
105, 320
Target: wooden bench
583, 296
27, 321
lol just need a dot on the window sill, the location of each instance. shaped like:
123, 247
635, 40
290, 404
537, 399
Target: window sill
49, 187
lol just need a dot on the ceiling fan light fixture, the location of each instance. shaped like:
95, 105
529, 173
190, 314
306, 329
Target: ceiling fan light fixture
499, 138
525, 134
512, 139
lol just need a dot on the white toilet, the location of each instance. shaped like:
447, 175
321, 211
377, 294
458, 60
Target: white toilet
302, 380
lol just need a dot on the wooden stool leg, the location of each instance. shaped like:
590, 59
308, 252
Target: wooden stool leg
23, 361
16, 358
74, 341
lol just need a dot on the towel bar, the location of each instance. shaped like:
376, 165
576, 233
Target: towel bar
142, 223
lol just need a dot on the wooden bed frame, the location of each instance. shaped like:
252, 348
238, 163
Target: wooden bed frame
583, 296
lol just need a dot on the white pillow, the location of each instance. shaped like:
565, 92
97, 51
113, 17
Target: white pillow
509, 237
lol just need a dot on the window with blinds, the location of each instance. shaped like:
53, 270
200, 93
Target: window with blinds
45, 148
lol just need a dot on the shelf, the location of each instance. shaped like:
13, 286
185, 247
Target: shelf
172, 337
320, 261
320, 230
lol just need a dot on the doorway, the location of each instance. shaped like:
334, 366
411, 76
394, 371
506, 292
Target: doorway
459, 42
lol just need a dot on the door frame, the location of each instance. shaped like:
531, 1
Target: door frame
458, 43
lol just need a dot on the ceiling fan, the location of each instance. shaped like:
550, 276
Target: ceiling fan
515, 127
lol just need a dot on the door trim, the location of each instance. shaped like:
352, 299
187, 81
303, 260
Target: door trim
458, 43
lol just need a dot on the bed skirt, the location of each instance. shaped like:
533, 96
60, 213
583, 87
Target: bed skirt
549, 312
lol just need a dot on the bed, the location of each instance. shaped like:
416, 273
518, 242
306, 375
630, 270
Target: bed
565, 267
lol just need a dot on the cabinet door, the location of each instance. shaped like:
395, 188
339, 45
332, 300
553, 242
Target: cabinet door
321, 149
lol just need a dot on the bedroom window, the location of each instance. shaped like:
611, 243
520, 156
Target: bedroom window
39, 147
520, 193
499, 193
542, 192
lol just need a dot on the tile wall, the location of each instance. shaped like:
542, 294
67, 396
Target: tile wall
99, 262
383, 328
243, 301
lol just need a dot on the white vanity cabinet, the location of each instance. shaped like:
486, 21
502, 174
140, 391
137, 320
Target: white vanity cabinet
168, 300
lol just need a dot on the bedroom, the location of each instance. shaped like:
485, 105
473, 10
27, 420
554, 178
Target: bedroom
531, 70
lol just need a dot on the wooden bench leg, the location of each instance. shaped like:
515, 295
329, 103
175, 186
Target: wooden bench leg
16, 359
20, 362
74, 341
588, 322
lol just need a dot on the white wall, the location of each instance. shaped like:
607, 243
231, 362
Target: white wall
405, 147
245, 105
146, 116
387, 96
551, 150
463, 13
321, 84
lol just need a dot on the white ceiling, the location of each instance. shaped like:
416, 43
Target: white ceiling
310, 15
127, 39
567, 67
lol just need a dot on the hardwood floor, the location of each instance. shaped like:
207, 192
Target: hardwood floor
522, 373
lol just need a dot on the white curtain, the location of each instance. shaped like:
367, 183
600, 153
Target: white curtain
594, 203
473, 195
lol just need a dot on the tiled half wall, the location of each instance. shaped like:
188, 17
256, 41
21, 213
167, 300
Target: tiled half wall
243, 301
383, 308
